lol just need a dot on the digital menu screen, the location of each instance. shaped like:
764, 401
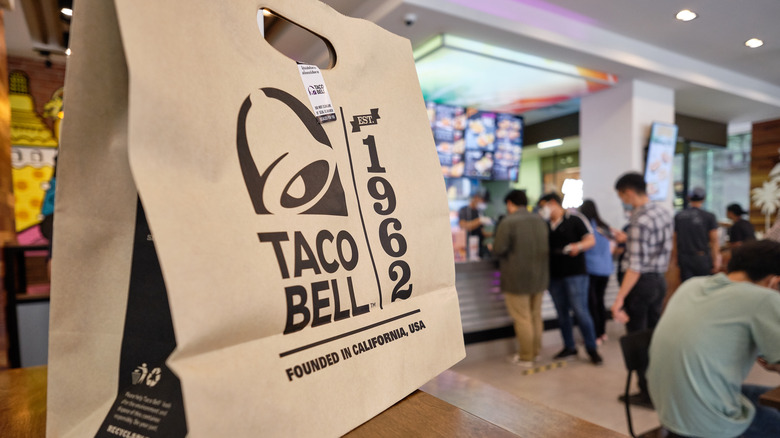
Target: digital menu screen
448, 126
508, 147
476, 144
480, 144
660, 156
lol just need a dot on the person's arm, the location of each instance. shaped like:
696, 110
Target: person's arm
768, 366
765, 329
470, 225
715, 250
673, 254
588, 241
630, 279
502, 243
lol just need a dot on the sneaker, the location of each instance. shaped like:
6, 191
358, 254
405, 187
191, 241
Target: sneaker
595, 358
515, 360
639, 399
566, 352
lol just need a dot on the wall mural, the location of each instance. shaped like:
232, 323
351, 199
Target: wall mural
33, 152
765, 175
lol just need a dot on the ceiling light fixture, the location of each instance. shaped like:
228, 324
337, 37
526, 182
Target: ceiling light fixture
67, 51
549, 143
754, 42
68, 12
267, 12
686, 15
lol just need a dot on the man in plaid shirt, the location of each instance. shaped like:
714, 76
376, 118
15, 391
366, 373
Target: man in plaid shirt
641, 295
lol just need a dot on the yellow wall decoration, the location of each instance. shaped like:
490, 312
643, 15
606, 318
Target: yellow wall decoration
33, 148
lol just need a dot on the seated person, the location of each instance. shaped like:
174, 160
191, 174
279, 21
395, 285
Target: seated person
713, 329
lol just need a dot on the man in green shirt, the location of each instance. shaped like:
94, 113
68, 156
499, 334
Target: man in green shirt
712, 332
523, 250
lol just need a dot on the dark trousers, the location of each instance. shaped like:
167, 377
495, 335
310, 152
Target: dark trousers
596, 289
643, 306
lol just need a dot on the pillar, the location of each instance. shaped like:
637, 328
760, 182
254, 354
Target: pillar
614, 131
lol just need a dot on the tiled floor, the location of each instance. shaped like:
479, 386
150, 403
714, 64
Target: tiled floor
578, 388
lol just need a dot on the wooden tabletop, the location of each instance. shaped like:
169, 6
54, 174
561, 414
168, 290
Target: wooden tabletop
451, 405
23, 403
771, 398
520, 416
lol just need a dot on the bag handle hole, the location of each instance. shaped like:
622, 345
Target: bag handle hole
295, 41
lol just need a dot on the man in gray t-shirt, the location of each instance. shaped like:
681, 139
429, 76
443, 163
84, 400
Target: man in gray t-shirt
710, 335
696, 239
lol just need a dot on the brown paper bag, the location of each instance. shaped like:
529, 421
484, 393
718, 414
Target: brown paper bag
226, 265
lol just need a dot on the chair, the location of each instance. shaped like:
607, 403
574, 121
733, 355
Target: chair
635, 347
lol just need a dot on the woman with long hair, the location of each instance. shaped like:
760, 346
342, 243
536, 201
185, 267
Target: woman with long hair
598, 261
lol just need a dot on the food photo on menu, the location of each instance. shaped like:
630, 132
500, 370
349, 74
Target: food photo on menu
508, 147
480, 145
448, 125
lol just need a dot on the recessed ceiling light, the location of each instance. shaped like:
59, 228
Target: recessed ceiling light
686, 15
67, 51
67, 12
754, 42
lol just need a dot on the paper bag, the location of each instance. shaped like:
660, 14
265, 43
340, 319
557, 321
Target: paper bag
229, 262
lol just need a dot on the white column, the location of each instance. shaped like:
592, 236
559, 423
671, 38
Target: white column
614, 131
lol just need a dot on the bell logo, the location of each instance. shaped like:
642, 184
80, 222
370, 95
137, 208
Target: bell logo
315, 189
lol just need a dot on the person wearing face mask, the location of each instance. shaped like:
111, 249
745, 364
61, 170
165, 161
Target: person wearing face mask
471, 220
570, 236
641, 295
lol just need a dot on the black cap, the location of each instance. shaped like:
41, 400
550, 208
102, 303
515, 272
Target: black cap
736, 209
697, 194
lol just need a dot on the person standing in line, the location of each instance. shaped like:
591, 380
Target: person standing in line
598, 262
640, 297
696, 243
570, 237
741, 230
521, 243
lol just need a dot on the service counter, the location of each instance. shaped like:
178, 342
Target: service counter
482, 309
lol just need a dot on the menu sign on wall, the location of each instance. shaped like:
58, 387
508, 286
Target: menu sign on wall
509, 147
448, 125
476, 144
660, 156
480, 144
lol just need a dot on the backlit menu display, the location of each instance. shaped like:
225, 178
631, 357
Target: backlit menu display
476, 144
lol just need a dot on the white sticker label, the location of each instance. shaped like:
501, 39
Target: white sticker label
318, 93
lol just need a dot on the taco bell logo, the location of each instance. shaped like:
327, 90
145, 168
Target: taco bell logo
316, 89
310, 186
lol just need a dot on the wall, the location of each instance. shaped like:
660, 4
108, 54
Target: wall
765, 174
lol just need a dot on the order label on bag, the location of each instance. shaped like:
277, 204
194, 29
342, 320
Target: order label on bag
318, 93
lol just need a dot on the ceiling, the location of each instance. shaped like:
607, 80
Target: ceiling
714, 75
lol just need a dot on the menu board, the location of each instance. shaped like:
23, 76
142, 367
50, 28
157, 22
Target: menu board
660, 156
476, 144
449, 123
480, 144
509, 147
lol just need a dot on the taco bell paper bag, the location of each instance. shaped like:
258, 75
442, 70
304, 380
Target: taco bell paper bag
245, 247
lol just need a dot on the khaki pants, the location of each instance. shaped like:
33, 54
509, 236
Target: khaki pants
526, 311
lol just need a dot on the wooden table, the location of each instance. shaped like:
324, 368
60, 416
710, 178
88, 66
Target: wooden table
771, 398
451, 405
